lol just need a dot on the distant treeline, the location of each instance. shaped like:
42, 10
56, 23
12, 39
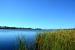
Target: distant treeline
6, 27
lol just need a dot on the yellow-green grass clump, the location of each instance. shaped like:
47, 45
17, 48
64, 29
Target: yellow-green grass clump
57, 40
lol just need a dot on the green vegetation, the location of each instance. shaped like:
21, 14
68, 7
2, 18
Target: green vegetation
21, 43
58, 40
21, 28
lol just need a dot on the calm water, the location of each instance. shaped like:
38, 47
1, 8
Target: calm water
8, 38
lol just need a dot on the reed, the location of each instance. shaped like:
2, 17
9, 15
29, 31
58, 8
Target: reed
57, 40
21, 43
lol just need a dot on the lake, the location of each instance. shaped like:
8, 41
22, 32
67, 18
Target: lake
8, 38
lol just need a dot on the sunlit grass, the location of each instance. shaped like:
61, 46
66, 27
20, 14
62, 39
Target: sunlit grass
58, 40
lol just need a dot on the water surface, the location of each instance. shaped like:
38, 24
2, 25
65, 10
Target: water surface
8, 38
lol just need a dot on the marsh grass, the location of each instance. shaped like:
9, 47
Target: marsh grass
57, 40
21, 43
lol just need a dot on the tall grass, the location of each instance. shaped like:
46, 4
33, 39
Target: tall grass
58, 40
21, 43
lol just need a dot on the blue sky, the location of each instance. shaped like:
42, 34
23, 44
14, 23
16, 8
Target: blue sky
38, 13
